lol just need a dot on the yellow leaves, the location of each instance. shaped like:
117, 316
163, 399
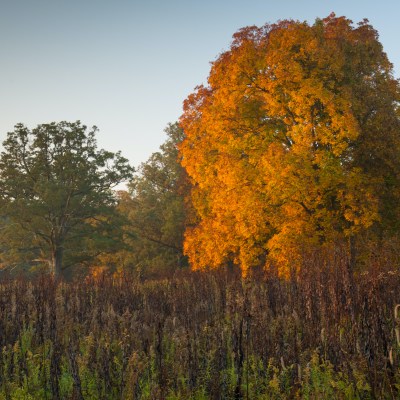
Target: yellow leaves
273, 145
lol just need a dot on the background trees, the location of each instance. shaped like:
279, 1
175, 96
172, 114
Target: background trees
294, 144
56, 193
155, 209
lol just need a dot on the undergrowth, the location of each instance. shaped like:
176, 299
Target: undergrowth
324, 334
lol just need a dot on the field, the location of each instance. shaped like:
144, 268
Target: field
254, 255
324, 334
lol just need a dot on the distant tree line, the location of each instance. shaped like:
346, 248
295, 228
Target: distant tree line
292, 147
60, 211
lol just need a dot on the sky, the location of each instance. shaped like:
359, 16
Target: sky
126, 66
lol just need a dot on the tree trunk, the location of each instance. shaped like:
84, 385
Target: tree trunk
57, 257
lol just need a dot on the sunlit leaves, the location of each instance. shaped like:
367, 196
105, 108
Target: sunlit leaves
277, 145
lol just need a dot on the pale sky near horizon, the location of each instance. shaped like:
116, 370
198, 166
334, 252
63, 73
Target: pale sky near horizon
127, 65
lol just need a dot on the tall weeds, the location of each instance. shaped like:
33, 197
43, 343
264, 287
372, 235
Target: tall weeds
324, 333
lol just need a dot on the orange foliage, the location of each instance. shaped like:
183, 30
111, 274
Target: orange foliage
276, 143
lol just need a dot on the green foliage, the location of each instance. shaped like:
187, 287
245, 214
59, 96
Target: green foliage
56, 195
322, 382
155, 209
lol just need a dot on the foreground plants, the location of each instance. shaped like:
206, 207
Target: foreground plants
199, 336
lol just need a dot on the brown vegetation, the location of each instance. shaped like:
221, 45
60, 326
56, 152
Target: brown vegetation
324, 334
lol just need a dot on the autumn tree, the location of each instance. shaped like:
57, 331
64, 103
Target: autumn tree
56, 193
155, 209
293, 144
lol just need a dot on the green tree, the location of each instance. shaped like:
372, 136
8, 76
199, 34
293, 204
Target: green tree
155, 208
56, 193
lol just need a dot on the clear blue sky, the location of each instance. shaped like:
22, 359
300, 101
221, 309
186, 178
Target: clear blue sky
127, 65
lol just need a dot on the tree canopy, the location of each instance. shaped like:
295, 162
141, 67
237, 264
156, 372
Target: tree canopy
294, 143
56, 193
155, 209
